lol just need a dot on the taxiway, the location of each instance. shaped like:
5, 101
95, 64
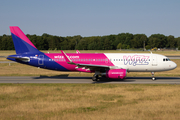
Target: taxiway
88, 80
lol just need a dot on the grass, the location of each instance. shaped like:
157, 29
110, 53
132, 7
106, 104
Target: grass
86, 101
89, 101
167, 53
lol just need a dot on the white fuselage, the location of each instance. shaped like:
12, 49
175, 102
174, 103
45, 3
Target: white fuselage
141, 62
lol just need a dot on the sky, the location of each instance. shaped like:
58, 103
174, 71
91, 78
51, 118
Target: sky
91, 17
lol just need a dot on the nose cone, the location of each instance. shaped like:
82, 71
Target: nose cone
174, 65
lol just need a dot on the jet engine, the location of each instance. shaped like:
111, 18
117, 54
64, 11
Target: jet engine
116, 73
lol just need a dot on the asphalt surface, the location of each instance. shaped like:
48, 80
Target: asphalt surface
7, 62
173, 57
128, 80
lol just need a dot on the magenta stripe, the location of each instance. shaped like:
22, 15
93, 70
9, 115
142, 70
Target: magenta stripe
17, 31
83, 58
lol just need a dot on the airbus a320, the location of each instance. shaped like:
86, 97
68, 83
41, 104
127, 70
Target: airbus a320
109, 65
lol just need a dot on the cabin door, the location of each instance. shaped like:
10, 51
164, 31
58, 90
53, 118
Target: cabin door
41, 60
154, 60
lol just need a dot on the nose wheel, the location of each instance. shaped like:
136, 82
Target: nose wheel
153, 78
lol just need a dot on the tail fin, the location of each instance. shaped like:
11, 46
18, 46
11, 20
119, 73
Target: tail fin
21, 42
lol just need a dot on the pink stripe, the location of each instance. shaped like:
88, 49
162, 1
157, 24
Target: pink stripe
17, 31
97, 59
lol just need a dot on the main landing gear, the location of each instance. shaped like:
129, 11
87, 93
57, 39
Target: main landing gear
153, 78
95, 77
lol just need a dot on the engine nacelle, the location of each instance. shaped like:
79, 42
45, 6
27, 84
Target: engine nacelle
116, 73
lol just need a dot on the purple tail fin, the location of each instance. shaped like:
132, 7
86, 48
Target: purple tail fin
21, 42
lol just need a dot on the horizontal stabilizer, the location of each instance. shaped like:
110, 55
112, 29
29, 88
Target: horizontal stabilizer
24, 59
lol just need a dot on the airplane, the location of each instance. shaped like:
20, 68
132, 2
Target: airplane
109, 65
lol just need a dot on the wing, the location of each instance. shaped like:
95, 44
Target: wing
87, 66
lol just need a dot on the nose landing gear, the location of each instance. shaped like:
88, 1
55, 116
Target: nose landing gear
153, 78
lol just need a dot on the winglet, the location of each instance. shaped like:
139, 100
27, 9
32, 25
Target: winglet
68, 60
77, 51
65, 56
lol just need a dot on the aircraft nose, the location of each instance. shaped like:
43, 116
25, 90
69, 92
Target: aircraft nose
174, 65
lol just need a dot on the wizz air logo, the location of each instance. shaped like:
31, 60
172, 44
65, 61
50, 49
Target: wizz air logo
136, 60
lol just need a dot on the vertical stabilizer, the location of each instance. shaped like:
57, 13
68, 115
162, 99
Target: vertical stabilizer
21, 42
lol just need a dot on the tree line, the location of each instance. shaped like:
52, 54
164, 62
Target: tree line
109, 42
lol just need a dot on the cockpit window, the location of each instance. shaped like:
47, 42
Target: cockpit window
166, 59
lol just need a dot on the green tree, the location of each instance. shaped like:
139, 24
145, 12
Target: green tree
119, 46
123, 38
178, 42
157, 40
138, 41
107, 44
82, 45
171, 43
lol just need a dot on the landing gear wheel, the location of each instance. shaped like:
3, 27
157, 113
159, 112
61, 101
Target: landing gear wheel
95, 77
153, 78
